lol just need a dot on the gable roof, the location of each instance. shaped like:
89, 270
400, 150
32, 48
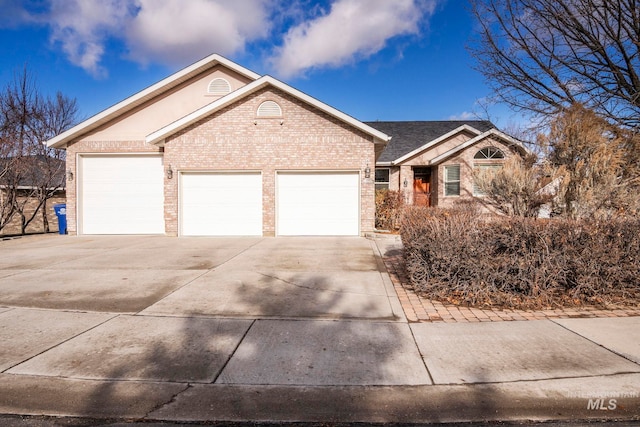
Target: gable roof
147, 94
158, 136
411, 137
491, 132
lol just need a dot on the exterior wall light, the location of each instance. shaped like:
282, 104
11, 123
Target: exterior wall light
405, 183
367, 172
169, 172
69, 175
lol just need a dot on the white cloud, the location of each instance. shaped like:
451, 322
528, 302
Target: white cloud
81, 28
465, 115
13, 14
176, 31
353, 29
172, 32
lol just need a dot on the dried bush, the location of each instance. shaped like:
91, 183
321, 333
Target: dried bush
389, 207
461, 258
598, 163
515, 188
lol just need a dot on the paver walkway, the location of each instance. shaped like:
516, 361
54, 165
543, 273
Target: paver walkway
418, 309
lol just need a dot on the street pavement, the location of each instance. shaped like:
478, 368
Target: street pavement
275, 330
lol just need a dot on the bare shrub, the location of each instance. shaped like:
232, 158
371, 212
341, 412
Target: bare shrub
389, 206
457, 257
514, 189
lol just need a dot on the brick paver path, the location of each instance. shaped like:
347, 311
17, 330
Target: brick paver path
419, 309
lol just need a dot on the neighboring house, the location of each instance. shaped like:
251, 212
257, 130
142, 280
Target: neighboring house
432, 162
34, 169
216, 149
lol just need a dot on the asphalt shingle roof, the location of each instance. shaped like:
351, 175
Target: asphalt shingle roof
411, 135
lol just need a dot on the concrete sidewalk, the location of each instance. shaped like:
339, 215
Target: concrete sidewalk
280, 330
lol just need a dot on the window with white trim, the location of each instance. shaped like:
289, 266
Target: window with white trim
487, 160
452, 180
382, 178
219, 87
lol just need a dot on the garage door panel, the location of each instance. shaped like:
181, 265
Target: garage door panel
221, 204
122, 195
318, 203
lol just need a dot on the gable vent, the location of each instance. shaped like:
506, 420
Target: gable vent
219, 87
269, 109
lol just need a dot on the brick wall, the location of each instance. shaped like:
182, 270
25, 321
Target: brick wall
36, 226
235, 139
303, 139
466, 161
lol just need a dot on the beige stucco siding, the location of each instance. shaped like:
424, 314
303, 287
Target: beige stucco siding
304, 139
159, 112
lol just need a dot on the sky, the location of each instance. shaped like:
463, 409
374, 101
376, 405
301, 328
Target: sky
382, 60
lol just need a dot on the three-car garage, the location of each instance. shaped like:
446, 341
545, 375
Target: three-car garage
124, 194
183, 157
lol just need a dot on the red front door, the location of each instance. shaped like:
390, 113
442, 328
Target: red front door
422, 187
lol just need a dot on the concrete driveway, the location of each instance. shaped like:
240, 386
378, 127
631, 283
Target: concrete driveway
331, 278
200, 329
203, 310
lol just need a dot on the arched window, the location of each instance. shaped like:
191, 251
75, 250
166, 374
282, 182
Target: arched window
219, 87
489, 153
269, 109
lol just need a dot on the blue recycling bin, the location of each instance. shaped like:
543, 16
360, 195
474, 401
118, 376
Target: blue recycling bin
61, 213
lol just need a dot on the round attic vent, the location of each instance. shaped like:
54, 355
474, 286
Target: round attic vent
269, 109
219, 87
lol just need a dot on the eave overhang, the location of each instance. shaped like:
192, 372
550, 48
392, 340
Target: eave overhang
158, 137
145, 95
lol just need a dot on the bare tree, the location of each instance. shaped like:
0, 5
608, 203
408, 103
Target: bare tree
55, 116
598, 163
31, 172
545, 55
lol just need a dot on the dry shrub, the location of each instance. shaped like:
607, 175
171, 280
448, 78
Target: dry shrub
389, 206
459, 257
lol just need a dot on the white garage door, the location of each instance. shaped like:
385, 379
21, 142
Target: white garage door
121, 195
318, 204
221, 204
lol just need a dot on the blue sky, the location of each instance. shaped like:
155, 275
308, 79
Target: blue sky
372, 59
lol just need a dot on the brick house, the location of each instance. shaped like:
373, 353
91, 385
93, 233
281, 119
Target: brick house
433, 162
216, 149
